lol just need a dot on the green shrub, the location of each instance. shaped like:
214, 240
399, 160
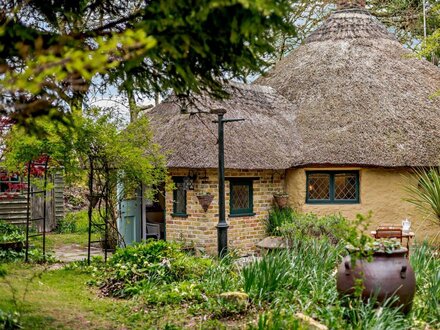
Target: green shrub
173, 293
278, 217
66, 225
219, 307
9, 320
11, 233
35, 256
153, 261
310, 226
74, 222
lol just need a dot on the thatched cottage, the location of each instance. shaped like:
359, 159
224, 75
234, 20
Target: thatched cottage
339, 124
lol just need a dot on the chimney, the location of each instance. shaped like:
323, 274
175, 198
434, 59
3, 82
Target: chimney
346, 4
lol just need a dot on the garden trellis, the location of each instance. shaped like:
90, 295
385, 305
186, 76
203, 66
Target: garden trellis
100, 198
37, 168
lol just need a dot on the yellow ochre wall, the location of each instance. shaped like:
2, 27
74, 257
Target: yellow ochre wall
382, 191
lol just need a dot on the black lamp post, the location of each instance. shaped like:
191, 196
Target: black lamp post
222, 226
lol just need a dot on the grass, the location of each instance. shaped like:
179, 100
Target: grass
61, 299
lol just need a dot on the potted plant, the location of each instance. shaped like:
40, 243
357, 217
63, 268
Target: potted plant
380, 269
281, 199
205, 200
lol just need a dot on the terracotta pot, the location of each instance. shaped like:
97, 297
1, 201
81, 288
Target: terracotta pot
386, 275
205, 201
281, 200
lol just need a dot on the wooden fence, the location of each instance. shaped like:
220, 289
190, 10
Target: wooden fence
14, 210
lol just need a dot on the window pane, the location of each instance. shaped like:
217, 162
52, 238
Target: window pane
345, 186
319, 186
240, 196
180, 199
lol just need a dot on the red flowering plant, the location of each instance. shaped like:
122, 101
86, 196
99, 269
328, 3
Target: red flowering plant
20, 153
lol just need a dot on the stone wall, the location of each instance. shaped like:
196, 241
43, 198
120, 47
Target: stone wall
200, 227
382, 191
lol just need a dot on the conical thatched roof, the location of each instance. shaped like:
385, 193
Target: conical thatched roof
360, 98
267, 139
351, 95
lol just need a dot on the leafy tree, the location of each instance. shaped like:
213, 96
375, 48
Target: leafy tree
53, 50
431, 49
403, 17
96, 145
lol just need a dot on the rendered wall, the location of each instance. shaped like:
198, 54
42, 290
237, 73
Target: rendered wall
200, 227
382, 191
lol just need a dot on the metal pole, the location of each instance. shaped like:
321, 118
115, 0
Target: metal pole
28, 210
44, 207
424, 20
90, 210
222, 226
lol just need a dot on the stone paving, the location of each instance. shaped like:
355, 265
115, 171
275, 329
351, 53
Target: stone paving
75, 252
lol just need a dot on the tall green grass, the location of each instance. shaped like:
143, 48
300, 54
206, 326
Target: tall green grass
278, 217
425, 260
301, 275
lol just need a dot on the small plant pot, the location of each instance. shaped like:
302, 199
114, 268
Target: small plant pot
281, 200
205, 201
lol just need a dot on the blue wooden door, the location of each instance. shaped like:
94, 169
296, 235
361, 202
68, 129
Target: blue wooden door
129, 222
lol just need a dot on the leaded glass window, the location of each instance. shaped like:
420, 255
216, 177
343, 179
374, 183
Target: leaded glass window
179, 197
332, 187
346, 186
241, 196
319, 186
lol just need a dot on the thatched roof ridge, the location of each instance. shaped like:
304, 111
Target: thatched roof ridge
361, 100
267, 139
353, 23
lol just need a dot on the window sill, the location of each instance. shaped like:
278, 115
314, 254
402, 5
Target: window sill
331, 202
179, 215
238, 215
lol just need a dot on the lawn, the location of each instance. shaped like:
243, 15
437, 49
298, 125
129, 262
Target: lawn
61, 299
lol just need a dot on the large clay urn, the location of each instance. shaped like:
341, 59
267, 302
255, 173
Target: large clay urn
387, 274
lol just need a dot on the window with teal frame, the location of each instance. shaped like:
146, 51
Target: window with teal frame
332, 187
241, 197
179, 198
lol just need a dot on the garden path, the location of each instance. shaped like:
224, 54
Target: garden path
75, 252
